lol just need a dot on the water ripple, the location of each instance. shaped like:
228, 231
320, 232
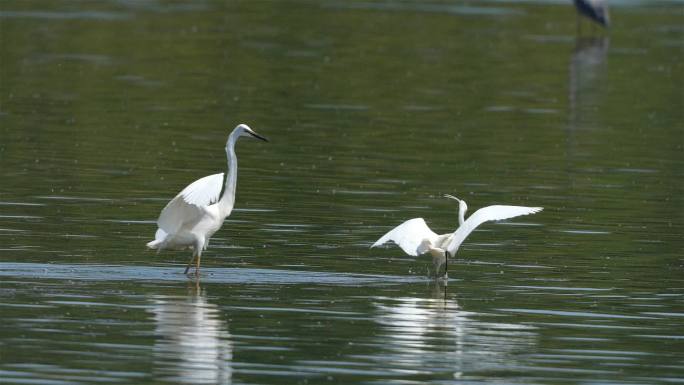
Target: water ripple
575, 314
223, 275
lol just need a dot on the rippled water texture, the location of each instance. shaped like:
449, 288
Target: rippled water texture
375, 109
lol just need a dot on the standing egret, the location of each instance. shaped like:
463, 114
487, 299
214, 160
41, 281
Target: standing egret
415, 237
596, 10
196, 213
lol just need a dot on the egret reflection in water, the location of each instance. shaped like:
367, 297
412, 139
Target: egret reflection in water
438, 335
193, 344
585, 74
587, 69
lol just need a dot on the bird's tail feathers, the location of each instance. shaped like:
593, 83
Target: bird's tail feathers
159, 238
153, 244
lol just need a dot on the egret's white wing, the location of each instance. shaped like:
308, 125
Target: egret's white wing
409, 236
189, 204
203, 191
489, 213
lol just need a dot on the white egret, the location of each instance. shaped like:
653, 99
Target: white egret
196, 213
415, 237
596, 10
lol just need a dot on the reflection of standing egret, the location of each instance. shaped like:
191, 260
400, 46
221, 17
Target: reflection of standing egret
415, 237
596, 10
196, 213
193, 344
587, 66
587, 69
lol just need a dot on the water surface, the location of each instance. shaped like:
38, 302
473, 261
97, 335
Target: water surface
374, 110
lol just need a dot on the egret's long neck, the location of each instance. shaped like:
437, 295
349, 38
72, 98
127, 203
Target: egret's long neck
228, 198
461, 214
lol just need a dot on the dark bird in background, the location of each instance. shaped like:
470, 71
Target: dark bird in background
596, 10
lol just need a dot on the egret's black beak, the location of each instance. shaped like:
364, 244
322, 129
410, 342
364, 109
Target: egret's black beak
254, 134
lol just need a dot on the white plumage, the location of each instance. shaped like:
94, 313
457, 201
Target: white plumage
485, 214
409, 236
415, 237
198, 211
189, 205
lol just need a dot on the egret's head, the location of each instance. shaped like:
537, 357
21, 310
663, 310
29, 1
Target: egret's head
461, 203
244, 130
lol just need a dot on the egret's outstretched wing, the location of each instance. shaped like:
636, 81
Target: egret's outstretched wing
189, 204
409, 236
489, 213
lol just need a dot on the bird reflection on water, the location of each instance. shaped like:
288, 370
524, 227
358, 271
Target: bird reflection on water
586, 69
438, 335
193, 343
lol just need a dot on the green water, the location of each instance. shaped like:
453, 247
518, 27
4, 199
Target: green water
374, 111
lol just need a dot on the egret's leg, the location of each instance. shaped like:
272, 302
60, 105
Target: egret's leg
197, 269
199, 246
438, 259
190, 263
446, 263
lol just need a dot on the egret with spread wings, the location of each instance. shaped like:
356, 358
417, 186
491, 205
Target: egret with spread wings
197, 212
415, 237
